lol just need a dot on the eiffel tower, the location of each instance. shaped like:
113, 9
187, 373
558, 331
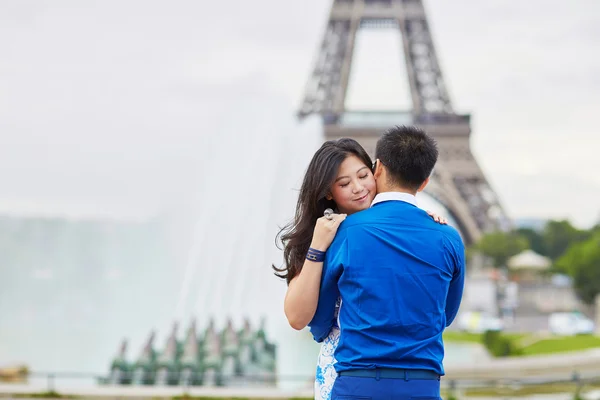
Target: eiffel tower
457, 181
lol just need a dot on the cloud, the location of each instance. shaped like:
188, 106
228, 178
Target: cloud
112, 112
44, 274
544, 191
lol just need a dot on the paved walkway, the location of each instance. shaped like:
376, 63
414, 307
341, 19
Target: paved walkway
546, 366
539, 368
154, 392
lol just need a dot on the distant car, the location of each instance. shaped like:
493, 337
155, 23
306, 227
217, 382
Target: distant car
479, 322
561, 280
570, 323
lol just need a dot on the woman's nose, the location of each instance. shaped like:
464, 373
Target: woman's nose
358, 187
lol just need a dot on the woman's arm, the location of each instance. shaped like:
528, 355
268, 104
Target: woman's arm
302, 294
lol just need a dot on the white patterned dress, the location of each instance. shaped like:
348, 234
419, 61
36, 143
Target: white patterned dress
325, 375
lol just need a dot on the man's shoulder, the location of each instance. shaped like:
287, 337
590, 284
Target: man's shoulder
450, 233
447, 231
373, 213
403, 214
360, 217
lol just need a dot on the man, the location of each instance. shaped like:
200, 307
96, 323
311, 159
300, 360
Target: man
400, 276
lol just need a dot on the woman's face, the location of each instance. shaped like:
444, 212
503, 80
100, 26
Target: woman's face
354, 186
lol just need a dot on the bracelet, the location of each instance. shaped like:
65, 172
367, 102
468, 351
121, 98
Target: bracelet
315, 255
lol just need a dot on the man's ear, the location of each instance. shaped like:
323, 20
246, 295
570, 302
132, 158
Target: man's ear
378, 169
423, 185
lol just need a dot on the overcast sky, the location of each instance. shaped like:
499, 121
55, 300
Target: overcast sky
119, 107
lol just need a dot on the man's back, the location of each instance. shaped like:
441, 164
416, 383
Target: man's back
400, 276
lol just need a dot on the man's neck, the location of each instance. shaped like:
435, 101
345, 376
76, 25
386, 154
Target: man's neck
397, 189
395, 195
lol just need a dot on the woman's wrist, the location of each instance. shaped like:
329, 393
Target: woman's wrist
315, 255
318, 246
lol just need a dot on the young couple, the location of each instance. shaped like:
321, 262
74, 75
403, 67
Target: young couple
378, 290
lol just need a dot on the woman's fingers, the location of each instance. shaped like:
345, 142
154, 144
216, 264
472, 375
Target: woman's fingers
325, 230
339, 218
437, 218
336, 219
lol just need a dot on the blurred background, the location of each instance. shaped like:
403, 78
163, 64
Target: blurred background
150, 151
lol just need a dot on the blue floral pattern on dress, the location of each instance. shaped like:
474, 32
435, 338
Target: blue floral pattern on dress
326, 375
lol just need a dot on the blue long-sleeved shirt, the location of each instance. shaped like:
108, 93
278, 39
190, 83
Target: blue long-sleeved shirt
400, 276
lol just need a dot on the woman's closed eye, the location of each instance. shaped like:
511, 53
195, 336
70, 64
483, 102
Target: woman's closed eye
344, 184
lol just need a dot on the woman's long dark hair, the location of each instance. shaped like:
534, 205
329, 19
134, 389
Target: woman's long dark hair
296, 236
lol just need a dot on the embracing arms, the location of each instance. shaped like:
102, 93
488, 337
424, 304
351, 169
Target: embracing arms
302, 294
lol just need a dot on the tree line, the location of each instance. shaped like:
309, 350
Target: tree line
574, 252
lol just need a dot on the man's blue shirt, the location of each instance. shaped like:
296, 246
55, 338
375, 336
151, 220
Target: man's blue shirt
400, 276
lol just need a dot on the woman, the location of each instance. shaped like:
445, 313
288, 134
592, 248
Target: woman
338, 177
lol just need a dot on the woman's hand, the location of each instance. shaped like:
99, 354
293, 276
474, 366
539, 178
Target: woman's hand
325, 230
302, 294
437, 218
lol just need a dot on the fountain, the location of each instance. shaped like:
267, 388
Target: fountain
167, 363
226, 358
143, 367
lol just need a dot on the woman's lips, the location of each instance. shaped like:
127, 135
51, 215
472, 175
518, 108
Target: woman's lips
363, 198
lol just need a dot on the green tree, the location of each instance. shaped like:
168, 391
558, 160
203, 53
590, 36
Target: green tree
500, 246
559, 236
535, 239
582, 262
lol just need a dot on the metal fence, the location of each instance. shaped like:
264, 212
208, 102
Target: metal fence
296, 386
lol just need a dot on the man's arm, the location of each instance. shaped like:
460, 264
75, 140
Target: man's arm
456, 258
324, 318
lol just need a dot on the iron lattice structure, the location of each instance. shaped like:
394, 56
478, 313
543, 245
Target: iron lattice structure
457, 181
